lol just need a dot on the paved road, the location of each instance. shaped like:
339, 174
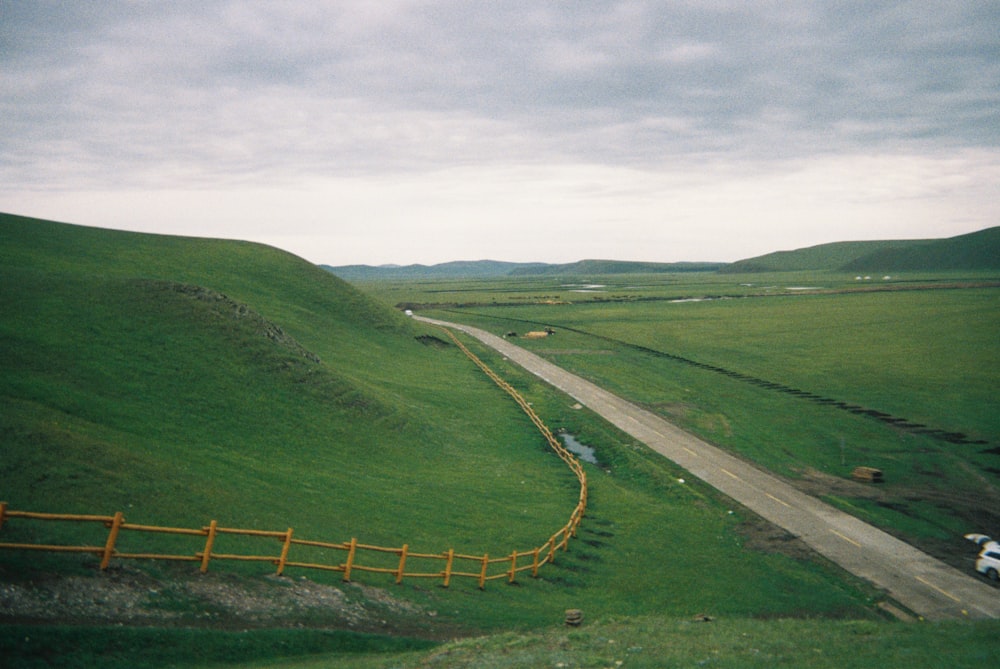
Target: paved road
923, 584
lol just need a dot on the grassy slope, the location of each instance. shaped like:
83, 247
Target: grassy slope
121, 390
645, 642
977, 250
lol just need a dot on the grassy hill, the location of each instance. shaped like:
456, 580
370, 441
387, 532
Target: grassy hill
181, 380
189, 379
605, 267
973, 251
490, 269
458, 269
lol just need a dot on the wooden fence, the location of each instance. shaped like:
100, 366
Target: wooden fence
393, 561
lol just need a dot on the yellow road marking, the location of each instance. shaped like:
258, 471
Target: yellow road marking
847, 539
729, 473
689, 450
943, 592
779, 501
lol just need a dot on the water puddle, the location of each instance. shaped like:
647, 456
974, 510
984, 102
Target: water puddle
585, 453
585, 287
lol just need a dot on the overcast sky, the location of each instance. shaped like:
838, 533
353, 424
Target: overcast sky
403, 131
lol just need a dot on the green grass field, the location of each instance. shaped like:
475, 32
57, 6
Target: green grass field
805, 382
640, 642
183, 380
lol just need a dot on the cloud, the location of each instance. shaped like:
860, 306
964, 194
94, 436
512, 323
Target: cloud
219, 96
561, 213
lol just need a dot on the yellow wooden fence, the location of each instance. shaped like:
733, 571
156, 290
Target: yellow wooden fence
483, 568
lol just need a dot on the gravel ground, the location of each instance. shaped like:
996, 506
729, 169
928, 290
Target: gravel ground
130, 596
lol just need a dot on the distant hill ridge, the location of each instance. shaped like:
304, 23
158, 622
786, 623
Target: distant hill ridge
973, 251
487, 269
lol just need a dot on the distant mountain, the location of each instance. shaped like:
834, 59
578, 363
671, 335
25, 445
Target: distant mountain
486, 269
976, 250
460, 269
599, 267
973, 251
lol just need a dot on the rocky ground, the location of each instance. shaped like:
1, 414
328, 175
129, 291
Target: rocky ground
126, 595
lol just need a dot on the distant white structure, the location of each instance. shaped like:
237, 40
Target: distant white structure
408, 312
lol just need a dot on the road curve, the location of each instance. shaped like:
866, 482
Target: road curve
925, 585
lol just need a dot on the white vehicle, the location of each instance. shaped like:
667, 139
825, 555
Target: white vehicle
988, 563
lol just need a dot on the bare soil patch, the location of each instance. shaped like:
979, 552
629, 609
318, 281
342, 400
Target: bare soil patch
125, 595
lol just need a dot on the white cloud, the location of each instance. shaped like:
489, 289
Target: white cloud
417, 130
561, 213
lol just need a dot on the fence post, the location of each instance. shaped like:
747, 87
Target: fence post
534, 563
284, 552
513, 566
482, 572
109, 545
350, 559
208, 546
3, 513
447, 567
402, 563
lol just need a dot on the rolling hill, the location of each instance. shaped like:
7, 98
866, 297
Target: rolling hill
459, 269
605, 267
182, 380
186, 379
974, 251
490, 269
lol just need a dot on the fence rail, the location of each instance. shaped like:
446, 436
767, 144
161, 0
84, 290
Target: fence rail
482, 568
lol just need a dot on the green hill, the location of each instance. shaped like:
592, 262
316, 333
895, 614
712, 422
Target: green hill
182, 380
189, 379
605, 267
459, 269
491, 269
973, 251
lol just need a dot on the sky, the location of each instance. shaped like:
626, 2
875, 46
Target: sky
407, 131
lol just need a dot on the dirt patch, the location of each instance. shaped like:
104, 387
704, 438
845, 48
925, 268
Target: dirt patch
129, 596
818, 484
761, 535
973, 507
